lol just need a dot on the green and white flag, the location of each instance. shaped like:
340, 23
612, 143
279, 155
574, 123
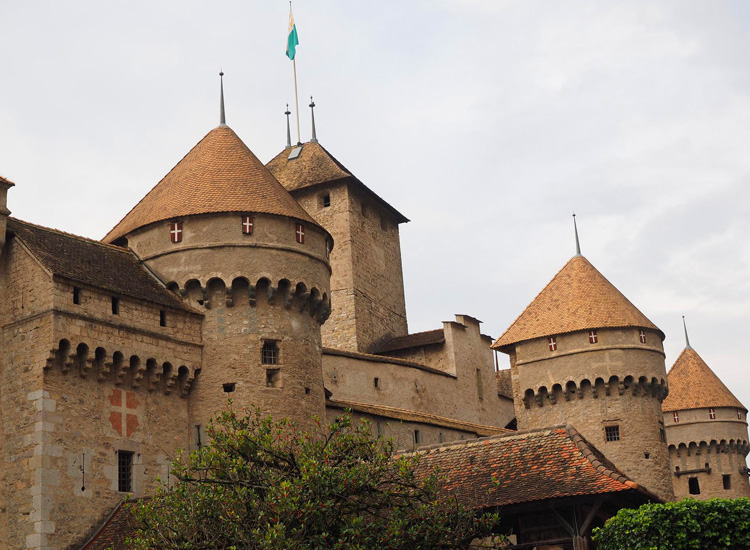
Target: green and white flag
292, 41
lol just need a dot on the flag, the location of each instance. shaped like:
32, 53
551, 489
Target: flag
292, 41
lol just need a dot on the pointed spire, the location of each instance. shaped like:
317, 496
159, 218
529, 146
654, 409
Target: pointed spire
312, 111
687, 340
222, 115
288, 129
578, 244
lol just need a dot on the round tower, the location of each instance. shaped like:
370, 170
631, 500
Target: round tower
582, 354
221, 231
706, 432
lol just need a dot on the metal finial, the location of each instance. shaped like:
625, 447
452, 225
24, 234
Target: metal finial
687, 340
578, 244
312, 111
288, 129
222, 114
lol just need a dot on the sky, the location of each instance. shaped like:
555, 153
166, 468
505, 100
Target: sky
486, 122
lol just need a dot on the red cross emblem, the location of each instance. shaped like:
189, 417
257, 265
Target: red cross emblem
124, 414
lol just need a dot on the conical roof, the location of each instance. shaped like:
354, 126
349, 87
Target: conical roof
577, 298
693, 385
219, 174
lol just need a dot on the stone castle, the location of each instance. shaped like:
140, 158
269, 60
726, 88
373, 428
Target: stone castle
280, 285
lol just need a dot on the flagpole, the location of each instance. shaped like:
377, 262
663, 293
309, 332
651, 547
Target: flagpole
296, 99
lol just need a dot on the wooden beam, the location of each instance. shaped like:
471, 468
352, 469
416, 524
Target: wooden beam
591, 514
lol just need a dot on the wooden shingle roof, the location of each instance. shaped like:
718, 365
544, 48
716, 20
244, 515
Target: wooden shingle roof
525, 467
693, 385
219, 174
577, 298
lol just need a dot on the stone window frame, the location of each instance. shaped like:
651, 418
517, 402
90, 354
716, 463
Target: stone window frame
726, 480
325, 199
273, 378
77, 295
270, 352
612, 433
125, 460
694, 486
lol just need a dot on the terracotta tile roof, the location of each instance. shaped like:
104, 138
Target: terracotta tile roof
111, 268
525, 467
316, 166
693, 385
415, 340
577, 298
219, 174
413, 416
504, 384
116, 529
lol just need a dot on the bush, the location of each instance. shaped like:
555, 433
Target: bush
686, 525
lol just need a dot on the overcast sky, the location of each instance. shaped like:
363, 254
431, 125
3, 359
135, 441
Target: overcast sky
485, 122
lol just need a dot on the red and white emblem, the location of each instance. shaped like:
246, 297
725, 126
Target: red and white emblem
124, 414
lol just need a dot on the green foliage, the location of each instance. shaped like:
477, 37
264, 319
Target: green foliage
686, 525
261, 484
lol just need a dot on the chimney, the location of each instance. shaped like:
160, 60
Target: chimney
4, 212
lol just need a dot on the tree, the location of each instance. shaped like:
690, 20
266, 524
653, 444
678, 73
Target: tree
686, 525
261, 484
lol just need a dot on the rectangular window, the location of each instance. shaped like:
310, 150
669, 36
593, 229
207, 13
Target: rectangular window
612, 433
712, 413
593, 337
694, 487
162, 318
376, 382
247, 225
642, 336
175, 232
300, 233
553, 344
125, 471
76, 296
115, 306
726, 479
739, 414
417, 437
441, 437
326, 200
676, 417
269, 355
480, 385
229, 387
273, 378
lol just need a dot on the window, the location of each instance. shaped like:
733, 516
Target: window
326, 200
269, 355
676, 417
726, 479
553, 344
739, 414
307, 391
162, 318
712, 413
379, 427
694, 487
417, 437
175, 232
612, 433
300, 233
125, 471
76, 296
593, 337
642, 336
441, 438
247, 225
480, 385
646, 455
273, 378
376, 382
229, 387
115, 306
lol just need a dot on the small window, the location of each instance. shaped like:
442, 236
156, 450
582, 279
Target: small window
553, 344
162, 318
739, 414
694, 487
125, 471
593, 337
417, 437
642, 336
646, 455
480, 385
175, 232
376, 382
726, 479
441, 437
612, 433
326, 200
676, 417
307, 391
115, 306
328, 249
712, 413
248, 222
269, 355
300, 233
229, 387
76, 296
273, 378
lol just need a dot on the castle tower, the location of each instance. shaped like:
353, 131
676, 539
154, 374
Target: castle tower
367, 284
4, 212
582, 354
706, 432
220, 230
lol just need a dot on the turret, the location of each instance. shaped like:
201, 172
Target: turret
4, 212
582, 354
706, 432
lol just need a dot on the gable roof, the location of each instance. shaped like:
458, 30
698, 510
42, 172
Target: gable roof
577, 298
111, 268
414, 340
693, 385
316, 166
120, 525
522, 467
219, 174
